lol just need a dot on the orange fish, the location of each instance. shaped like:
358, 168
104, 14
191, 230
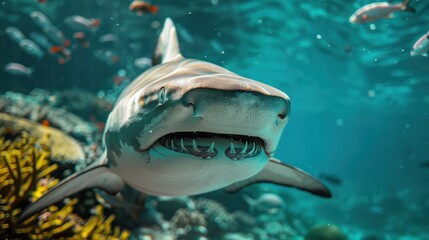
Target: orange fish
67, 43
95, 22
117, 80
40, 1
143, 7
100, 126
81, 38
45, 122
64, 53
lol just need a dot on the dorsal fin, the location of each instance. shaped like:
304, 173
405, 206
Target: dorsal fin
167, 48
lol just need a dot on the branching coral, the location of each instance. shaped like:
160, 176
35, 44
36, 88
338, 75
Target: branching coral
189, 224
218, 219
21, 167
25, 173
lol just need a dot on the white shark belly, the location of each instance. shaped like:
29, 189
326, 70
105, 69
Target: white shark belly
154, 174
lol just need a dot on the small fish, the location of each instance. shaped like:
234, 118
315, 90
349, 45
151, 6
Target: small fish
79, 23
31, 48
41, 40
40, 1
45, 122
380, 10
63, 52
18, 69
118, 80
421, 47
41, 20
267, 203
143, 63
15, 34
108, 38
331, 179
57, 36
141, 7
81, 39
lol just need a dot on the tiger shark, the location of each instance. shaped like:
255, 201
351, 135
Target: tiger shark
186, 127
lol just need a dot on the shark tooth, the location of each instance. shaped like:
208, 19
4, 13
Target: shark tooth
232, 149
194, 146
182, 145
172, 144
253, 149
211, 148
244, 149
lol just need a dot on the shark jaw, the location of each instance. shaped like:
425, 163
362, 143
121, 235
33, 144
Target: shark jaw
209, 145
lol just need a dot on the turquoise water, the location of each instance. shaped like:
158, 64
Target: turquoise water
360, 102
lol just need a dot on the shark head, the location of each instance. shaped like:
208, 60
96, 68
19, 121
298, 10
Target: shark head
187, 127
193, 121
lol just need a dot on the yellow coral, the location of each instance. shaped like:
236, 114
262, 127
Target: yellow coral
25, 172
21, 167
62, 146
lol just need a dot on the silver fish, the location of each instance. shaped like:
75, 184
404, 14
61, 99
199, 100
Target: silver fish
41, 40
108, 38
79, 23
381, 10
15, 34
143, 63
41, 20
187, 127
31, 48
18, 69
421, 47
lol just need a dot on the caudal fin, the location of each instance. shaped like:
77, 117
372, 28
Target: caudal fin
405, 5
250, 201
93, 177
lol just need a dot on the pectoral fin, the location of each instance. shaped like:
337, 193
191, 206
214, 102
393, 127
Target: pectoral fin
94, 177
286, 175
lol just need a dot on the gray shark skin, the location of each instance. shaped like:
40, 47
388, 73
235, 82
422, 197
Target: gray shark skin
186, 127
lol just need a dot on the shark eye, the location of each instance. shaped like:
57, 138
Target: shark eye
162, 98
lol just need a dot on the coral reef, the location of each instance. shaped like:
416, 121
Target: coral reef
189, 224
219, 221
84, 103
40, 106
62, 147
25, 174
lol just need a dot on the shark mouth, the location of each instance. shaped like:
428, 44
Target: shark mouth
203, 145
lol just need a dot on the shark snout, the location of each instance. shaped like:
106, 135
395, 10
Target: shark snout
236, 107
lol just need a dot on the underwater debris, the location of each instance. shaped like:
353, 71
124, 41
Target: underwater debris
62, 147
25, 173
325, 232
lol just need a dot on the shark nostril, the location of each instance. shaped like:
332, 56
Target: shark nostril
190, 104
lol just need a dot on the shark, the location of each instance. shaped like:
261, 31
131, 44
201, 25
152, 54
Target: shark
186, 127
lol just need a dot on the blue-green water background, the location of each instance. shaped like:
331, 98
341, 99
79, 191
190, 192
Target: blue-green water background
360, 103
